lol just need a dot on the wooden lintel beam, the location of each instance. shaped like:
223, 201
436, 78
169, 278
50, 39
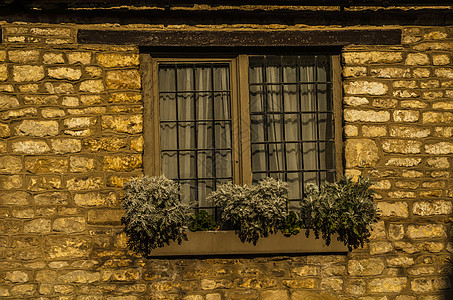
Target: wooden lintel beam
205, 38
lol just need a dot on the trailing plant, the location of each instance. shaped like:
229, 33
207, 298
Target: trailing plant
253, 211
202, 221
291, 225
154, 214
345, 207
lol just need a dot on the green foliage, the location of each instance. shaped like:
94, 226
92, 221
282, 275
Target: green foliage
254, 211
154, 214
344, 207
291, 225
202, 221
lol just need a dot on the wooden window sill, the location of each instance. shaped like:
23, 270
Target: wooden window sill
227, 243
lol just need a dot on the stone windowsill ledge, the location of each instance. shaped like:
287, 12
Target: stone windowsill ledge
227, 243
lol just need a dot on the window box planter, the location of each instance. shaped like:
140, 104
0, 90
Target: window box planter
227, 243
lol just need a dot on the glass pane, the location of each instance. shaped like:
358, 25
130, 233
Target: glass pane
308, 97
170, 164
222, 106
323, 68
187, 135
276, 157
290, 100
204, 135
167, 107
275, 128
259, 158
257, 128
204, 106
186, 110
168, 136
222, 134
310, 156
293, 157
309, 130
167, 79
187, 165
292, 127
184, 79
223, 163
256, 99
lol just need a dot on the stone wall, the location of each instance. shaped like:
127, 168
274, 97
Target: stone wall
71, 135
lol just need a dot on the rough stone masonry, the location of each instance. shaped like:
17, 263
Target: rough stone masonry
71, 124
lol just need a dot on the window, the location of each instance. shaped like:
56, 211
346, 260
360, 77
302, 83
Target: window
210, 121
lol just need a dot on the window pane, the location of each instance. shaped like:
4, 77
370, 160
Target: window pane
195, 108
291, 121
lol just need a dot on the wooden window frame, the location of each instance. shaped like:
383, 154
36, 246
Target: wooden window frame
240, 113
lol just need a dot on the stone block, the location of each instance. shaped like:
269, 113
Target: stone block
10, 164
79, 57
96, 199
390, 72
426, 231
137, 144
115, 60
51, 58
51, 198
380, 247
69, 73
124, 98
413, 104
306, 295
366, 267
425, 208
361, 152
79, 122
400, 261
406, 94
355, 101
30, 147
70, 101
407, 184
37, 226
14, 198
93, 71
439, 148
421, 73
69, 224
81, 164
417, 59
437, 117
409, 131
441, 60
46, 165
105, 216
446, 105
23, 290
405, 115
372, 57
401, 146
396, 209
80, 276
60, 247
59, 88
408, 84
361, 87
23, 56
273, 295
37, 128
84, 183
110, 144
438, 162
387, 285
385, 103
374, 131
123, 79
396, 231
352, 115
354, 71
3, 72
123, 123
27, 73
41, 100
62, 146
16, 276
7, 101
122, 163
51, 31
349, 130
444, 72
44, 182
92, 86
29, 88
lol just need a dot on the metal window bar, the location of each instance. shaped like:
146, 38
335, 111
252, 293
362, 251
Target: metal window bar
214, 149
320, 173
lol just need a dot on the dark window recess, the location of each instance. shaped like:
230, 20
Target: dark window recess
292, 120
195, 128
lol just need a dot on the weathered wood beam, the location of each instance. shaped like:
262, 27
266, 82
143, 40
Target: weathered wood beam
179, 38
